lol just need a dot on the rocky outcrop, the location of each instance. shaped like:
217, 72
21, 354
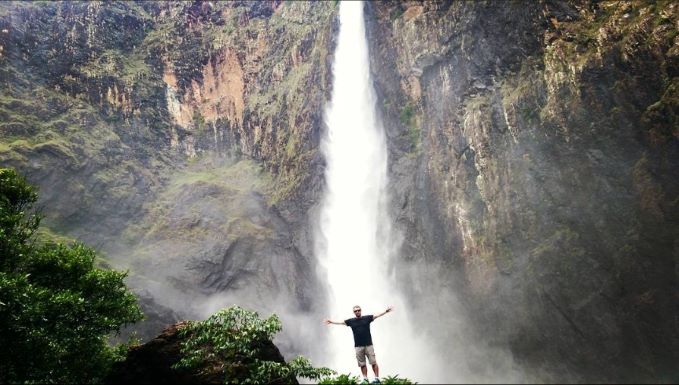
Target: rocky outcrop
533, 148
151, 363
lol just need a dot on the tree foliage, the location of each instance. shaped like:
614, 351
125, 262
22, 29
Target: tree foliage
234, 341
56, 307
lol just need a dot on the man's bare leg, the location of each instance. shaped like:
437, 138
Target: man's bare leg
376, 370
364, 370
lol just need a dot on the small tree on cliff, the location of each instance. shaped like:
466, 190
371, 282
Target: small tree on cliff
56, 308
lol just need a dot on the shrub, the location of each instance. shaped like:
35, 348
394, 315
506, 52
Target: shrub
342, 379
407, 118
234, 340
345, 379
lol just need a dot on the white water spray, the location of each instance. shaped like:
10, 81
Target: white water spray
356, 239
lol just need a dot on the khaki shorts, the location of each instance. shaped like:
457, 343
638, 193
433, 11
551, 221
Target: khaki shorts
362, 351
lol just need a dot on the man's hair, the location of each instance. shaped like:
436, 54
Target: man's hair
356, 306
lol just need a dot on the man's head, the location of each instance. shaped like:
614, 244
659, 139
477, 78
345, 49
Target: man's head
357, 311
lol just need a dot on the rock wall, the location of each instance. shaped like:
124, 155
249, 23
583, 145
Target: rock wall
533, 148
179, 138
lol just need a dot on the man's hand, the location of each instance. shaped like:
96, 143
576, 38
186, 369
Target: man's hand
389, 309
327, 322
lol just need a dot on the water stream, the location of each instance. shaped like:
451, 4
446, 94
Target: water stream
356, 239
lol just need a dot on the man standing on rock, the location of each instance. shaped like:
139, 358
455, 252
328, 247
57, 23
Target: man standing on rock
363, 343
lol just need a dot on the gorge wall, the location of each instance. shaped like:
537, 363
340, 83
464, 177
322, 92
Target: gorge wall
179, 138
533, 157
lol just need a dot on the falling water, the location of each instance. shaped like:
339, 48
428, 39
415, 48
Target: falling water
356, 239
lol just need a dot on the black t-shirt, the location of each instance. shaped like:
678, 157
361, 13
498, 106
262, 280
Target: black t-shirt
361, 328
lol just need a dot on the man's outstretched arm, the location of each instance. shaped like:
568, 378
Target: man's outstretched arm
328, 322
390, 308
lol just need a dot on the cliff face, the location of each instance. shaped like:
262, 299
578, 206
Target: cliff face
533, 151
178, 137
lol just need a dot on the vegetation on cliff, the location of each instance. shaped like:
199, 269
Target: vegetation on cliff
56, 308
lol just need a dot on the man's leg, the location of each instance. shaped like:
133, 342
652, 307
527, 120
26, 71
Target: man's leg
364, 370
360, 357
370, 352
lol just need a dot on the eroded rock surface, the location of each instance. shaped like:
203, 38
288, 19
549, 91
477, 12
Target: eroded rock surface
533, 148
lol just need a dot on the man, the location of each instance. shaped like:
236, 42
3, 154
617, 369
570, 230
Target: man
363, 343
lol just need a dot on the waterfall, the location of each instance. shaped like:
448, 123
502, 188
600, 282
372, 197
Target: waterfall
356, 240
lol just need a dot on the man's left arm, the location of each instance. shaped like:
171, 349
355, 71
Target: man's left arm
390, 308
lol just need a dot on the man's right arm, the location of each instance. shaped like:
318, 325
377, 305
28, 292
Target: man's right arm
328, 322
